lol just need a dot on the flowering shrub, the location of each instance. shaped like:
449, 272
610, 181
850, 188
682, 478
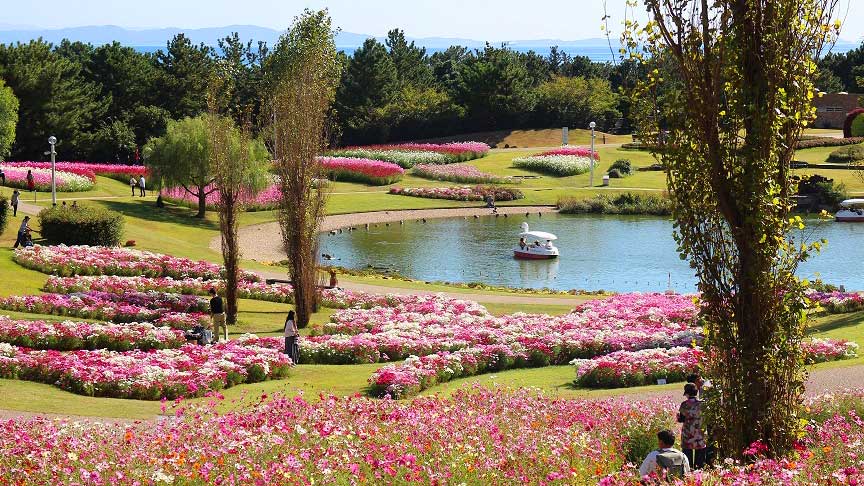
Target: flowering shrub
462, 173
89, 169
188, 371
636, 368
163, 309
69, 336
99, 260
265, 200
572, 151
556, 165
476, 193
837, 302
65, 181
820, 350
373, 172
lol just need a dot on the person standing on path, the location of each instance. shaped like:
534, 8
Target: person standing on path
2, 177
291, 333
217, 315
693, 442
133, 183
16, 197
142, 185
22, 232
31, 183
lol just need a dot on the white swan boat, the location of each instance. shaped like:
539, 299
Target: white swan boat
535, 245
851, 211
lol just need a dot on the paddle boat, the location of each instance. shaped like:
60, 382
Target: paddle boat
851, 211
535, 245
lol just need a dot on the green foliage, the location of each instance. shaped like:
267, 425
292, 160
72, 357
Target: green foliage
185, 71
858, 126
114, 141
4, 213
409, 61
181, 158
495, 87
369, 82
621, 204
55, 99
575, 102
84, 225
728, 84
623, 166
847, 154
814, 142
8, 118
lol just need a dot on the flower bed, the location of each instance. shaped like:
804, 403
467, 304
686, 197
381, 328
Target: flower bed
278, 292
98, 260
556, 165
476, 193
473, 437
645, 367
119, 172
838, 302
69, 336
65, 181
162, 309
375, 172
188, 371
410, 154
462, 173
636, 368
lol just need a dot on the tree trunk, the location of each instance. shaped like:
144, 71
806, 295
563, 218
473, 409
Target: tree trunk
231, 258
202, 203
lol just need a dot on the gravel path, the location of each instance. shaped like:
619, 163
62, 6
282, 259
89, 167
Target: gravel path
263, 242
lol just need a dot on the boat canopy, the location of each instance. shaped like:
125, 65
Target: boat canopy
539, 235
852, 202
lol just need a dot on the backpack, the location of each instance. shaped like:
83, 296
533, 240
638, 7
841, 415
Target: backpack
671, 462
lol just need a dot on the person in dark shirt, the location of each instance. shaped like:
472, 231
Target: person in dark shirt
217, 315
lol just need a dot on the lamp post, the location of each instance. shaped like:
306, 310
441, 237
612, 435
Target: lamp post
52, 140
592, 125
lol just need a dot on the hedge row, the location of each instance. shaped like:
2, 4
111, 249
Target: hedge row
82, 225
828, 142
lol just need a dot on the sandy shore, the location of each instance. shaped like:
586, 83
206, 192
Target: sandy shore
263, 242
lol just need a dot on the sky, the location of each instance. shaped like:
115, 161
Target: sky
487, 20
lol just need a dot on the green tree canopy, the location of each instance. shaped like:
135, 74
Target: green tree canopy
8, 118
575, 102
495, 88
412, 68
369, 82
54, 99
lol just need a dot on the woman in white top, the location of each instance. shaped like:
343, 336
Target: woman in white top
134, 183
291, 333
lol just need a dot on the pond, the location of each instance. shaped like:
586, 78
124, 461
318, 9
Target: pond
617, 253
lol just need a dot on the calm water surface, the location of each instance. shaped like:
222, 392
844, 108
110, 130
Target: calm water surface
619, 253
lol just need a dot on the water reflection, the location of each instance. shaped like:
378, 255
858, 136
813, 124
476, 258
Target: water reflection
597, 252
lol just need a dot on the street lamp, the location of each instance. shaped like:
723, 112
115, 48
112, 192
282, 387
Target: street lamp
592, 125
52, 140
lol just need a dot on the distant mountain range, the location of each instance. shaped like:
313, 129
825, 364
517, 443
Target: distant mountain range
152, 39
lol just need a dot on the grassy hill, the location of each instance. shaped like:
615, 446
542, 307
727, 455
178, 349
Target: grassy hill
546, 137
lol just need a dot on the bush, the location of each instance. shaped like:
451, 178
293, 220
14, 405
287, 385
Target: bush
4, 213
623, 166
81, 226
814, 142
622, 204
848, 154
858, 126
850, 119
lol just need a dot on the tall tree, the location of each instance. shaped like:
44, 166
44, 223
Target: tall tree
412, 67
8, 118
181, 158
54, 99
495, 88
575, 102
370, 82
240, 170
184, 73
305, 70
242, 64
728, 140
